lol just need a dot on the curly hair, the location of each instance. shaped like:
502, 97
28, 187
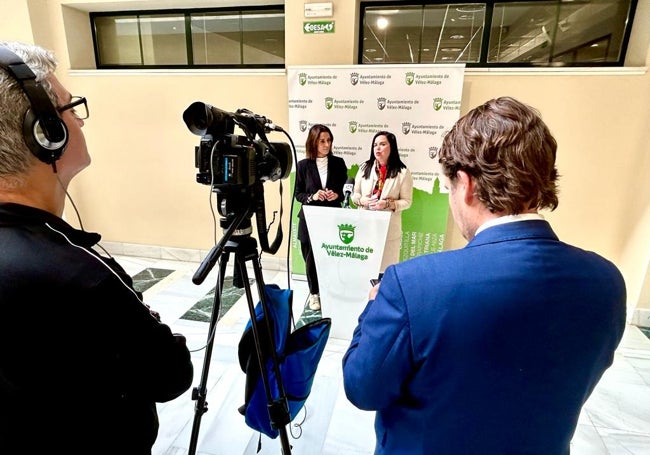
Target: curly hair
509, 152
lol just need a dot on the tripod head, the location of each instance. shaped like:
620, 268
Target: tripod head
231, 222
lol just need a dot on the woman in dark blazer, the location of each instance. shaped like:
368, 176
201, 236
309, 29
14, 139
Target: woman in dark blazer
320, 177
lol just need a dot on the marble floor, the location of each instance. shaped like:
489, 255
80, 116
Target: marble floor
615, 420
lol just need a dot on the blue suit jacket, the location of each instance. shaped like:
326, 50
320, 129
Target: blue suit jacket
489, 349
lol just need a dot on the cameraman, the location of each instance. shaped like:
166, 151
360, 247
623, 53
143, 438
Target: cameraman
83, 360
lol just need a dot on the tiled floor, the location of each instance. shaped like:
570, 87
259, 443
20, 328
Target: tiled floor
615, 420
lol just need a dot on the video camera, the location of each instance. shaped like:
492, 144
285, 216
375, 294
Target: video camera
237, 166
230, 162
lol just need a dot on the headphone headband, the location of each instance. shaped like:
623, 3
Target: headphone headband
43, 130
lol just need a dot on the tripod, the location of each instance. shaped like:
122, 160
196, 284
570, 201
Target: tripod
244, 248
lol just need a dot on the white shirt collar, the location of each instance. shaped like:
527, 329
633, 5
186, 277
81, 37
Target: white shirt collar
509, 219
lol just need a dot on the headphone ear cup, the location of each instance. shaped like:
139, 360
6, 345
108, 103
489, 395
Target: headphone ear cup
35, 138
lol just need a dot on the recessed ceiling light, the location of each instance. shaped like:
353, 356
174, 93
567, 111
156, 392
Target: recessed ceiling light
378, 59
470, 9
371, 50
457, 36
451, 49
382, 23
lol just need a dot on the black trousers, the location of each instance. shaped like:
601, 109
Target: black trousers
310, 265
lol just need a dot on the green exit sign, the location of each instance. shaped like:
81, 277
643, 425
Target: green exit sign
318, 27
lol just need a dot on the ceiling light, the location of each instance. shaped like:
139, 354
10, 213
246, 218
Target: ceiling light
371, 50
451, 49
382, 23
457, 36
470, 9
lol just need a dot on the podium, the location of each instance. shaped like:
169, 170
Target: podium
348, 245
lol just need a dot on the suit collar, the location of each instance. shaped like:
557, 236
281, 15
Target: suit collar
509, 219
517, 230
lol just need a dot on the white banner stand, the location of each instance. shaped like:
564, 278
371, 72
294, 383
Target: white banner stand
348, 245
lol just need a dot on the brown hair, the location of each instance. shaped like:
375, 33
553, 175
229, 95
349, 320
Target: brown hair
509, 152
311, 145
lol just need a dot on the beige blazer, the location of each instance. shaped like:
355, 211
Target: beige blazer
400, 190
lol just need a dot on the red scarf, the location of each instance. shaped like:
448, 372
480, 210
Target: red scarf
381, 170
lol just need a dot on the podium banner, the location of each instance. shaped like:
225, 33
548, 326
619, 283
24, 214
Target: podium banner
348, 246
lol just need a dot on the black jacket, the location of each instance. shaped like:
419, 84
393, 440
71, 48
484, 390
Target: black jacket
82, 360
308, 182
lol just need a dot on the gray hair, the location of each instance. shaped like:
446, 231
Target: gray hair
15, 156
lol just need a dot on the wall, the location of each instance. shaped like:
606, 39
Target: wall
141, 186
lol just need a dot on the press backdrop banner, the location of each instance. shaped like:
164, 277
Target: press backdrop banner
348, 245
417, 103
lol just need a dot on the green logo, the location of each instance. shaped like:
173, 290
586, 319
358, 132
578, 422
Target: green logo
437, 103
346, 233
302, 78
329, 102
352, 126
410, 77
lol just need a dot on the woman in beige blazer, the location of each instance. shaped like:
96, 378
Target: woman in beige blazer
383, 182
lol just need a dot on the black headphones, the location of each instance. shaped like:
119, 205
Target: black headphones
43, 130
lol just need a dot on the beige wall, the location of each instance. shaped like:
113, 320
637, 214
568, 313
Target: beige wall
141, 186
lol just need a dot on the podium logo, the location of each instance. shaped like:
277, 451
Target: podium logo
354, 78
329, 102
346, 233
302, 78
437, 103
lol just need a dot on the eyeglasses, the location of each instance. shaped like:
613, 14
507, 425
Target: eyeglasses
79, 102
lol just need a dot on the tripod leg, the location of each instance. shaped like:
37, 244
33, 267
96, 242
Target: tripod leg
278, 407
199, 393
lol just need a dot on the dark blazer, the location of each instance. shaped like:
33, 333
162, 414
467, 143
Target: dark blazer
489, 349
83, 361
308, 182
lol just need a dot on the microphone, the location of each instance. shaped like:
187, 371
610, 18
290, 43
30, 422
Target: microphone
245, 116
347, 191
270, 126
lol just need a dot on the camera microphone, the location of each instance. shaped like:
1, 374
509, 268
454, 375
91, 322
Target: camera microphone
347, 191
270, 126
244, 115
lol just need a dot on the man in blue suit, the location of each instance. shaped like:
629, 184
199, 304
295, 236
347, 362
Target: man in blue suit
495, 347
